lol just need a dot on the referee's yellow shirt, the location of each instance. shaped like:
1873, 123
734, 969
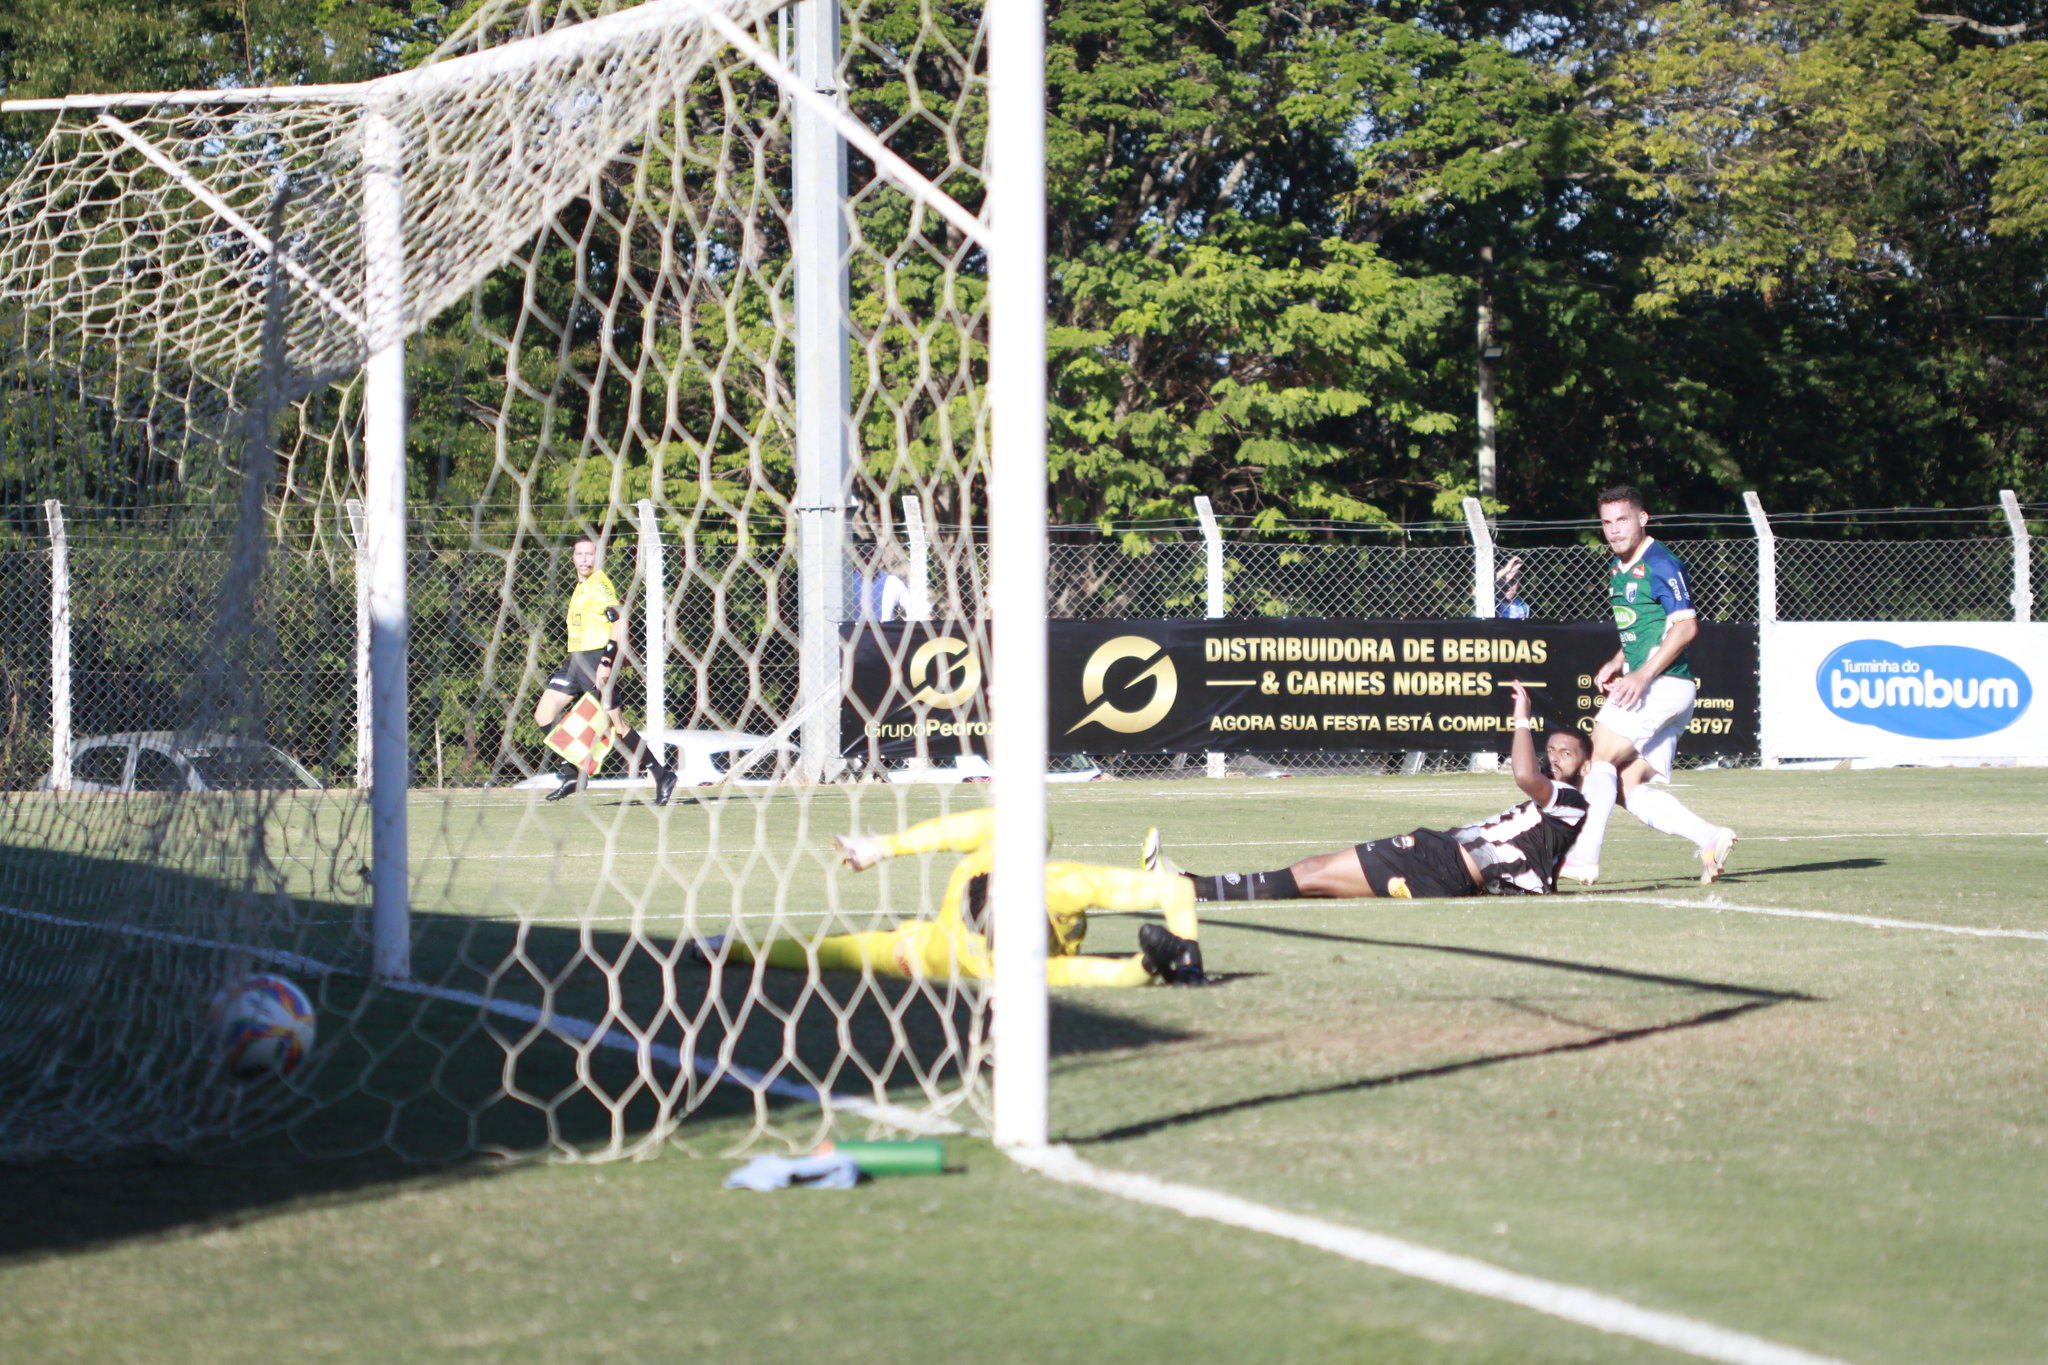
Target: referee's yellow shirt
587, 627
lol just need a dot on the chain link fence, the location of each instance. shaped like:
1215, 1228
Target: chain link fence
487, 601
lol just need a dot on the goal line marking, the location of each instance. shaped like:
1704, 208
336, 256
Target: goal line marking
1602, 1312
562, 1025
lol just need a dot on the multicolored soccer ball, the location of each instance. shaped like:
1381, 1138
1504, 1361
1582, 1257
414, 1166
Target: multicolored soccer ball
263, 1026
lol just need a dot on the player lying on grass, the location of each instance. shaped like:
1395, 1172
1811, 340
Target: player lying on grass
955, 943
1514, 853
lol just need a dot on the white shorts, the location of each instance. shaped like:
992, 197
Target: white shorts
1654, 724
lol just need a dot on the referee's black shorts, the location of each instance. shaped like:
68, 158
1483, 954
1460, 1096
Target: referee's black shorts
578, 674
1422, 864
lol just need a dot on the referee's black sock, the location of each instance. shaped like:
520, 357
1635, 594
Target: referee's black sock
1248, 886
638, 750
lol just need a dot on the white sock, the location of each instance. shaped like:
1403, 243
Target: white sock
1665, 813
1601, 786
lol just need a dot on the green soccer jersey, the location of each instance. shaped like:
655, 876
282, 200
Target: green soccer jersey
1647, 595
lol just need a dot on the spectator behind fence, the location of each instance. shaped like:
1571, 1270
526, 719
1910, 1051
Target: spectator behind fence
1508, 597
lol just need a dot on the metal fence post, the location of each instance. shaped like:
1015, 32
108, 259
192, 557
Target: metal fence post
917, 596
654, 664
60, 647
1212, 551
1768, 749
1483, 603
2022, 558
359, 531
1482, 559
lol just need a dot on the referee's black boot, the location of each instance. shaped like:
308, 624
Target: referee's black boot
567, 788
664, 784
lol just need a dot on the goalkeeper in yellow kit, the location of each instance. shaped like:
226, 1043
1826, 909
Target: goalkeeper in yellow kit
955, 943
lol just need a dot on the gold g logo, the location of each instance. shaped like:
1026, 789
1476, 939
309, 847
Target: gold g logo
935, 657
1165, 684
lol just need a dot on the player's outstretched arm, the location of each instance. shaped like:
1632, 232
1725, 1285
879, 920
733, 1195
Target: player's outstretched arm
1522, 751
859, 851
965, 831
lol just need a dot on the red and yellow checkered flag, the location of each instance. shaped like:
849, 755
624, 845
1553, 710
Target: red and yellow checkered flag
583, 735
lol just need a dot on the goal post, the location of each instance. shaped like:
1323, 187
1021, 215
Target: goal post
640, 278
1017, 484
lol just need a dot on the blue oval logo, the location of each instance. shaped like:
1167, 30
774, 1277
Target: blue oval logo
1933, 692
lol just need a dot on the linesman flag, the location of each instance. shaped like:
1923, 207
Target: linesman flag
584, 735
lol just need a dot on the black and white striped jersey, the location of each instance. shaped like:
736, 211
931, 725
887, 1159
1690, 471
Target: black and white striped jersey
1518, 850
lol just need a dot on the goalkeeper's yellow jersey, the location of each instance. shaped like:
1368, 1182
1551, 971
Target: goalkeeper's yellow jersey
964, 911
587, 627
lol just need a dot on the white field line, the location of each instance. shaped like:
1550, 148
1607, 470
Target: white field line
1602, 1312
561, 1025
1872, 921
1709, 902
565, 855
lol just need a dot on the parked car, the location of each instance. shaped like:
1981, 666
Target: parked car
950, 768
703, 758
167, 761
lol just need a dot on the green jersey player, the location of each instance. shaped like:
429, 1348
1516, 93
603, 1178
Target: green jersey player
1650, 689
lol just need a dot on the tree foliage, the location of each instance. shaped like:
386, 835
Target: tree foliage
1789, 245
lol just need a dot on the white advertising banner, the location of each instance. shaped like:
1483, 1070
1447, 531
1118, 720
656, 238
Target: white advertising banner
1904, 691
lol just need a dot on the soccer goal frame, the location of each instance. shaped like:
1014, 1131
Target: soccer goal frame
1014, 239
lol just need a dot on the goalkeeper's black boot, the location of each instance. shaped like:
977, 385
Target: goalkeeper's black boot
567, 788
664, 783
1175, 960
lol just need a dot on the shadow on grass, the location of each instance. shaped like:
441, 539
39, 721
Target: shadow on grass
1747, 1000
1733, 875
1743, 874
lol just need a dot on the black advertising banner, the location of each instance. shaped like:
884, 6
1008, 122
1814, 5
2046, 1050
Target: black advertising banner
913, 685
1182, 686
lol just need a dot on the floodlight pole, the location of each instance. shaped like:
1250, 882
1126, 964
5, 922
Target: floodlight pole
385, 537
1017, 486
1487, 348
824, 399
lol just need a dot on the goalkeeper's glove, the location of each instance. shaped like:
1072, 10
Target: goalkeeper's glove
860, 851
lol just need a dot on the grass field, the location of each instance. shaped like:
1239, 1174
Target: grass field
1806, 1105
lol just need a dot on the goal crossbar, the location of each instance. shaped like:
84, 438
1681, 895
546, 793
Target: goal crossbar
589, 39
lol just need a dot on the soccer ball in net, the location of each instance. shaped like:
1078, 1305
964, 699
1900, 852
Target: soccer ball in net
263, 1026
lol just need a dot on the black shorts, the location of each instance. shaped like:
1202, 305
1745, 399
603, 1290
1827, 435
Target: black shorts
1426, 863
578, 674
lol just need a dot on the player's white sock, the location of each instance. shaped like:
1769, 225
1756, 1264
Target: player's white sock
1665, 813
1602, 785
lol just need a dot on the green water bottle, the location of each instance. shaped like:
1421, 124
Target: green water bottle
918, 1156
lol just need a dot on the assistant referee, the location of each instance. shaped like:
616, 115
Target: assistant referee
597, 627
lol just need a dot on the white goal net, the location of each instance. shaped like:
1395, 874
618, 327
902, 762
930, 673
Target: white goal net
699, 281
